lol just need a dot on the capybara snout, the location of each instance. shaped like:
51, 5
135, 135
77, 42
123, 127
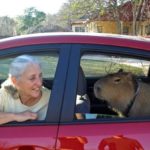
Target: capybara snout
97, 87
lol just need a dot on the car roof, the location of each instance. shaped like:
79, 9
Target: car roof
81, 38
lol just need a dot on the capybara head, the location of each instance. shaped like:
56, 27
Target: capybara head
117, 89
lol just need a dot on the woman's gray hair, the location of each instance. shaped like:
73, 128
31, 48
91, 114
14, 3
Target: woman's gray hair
20, 63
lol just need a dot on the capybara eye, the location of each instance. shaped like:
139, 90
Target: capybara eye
117, 80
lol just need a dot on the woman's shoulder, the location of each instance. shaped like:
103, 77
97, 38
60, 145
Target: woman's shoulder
7, 88
46, 91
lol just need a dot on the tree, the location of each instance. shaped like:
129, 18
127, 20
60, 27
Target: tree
76, 9
139, 10
7, 27
114, 10
129, 10
31, 18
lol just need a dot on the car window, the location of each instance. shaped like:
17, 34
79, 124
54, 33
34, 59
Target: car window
102, 64
48, 63
97, 65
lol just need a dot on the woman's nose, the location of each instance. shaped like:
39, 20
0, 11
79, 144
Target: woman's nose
39, 81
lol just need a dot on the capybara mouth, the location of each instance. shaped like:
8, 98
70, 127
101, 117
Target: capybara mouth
100, 97
97, 94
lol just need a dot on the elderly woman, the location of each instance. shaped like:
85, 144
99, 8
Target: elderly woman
22, 96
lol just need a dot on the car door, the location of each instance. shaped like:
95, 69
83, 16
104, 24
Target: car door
37, 135
106, 131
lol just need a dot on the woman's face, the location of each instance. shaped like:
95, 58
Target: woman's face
30, 82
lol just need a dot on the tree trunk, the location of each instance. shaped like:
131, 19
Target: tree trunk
138, 10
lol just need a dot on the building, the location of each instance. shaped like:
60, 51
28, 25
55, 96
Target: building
107, 23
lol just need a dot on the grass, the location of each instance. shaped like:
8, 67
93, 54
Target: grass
98, 68
90, 67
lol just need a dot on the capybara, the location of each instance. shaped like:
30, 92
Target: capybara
124, 93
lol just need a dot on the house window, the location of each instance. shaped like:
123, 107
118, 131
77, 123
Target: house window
79, 29
99, 29
141, 29
125, 30
147, 29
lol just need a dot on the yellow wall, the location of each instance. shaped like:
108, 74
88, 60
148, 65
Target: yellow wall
111, 27
106, 26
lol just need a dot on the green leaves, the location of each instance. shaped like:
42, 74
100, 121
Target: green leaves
32, 18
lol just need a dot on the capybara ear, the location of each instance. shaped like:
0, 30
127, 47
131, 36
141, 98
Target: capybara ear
120, 70
129, 75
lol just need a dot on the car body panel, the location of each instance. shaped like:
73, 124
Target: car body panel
12, 137
95, 133
53, 38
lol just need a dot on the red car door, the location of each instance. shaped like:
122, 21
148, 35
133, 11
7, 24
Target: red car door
97, 133
39, 135
35, 137
101, 136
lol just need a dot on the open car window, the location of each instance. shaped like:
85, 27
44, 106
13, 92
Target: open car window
103, 64
48, 63
98, 65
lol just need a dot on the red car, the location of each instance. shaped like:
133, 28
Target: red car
72, 63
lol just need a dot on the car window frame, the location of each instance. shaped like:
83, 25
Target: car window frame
55, 102
78, 50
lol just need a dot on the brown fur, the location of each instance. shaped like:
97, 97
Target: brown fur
119, 89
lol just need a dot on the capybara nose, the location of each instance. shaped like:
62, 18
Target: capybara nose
97, 88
